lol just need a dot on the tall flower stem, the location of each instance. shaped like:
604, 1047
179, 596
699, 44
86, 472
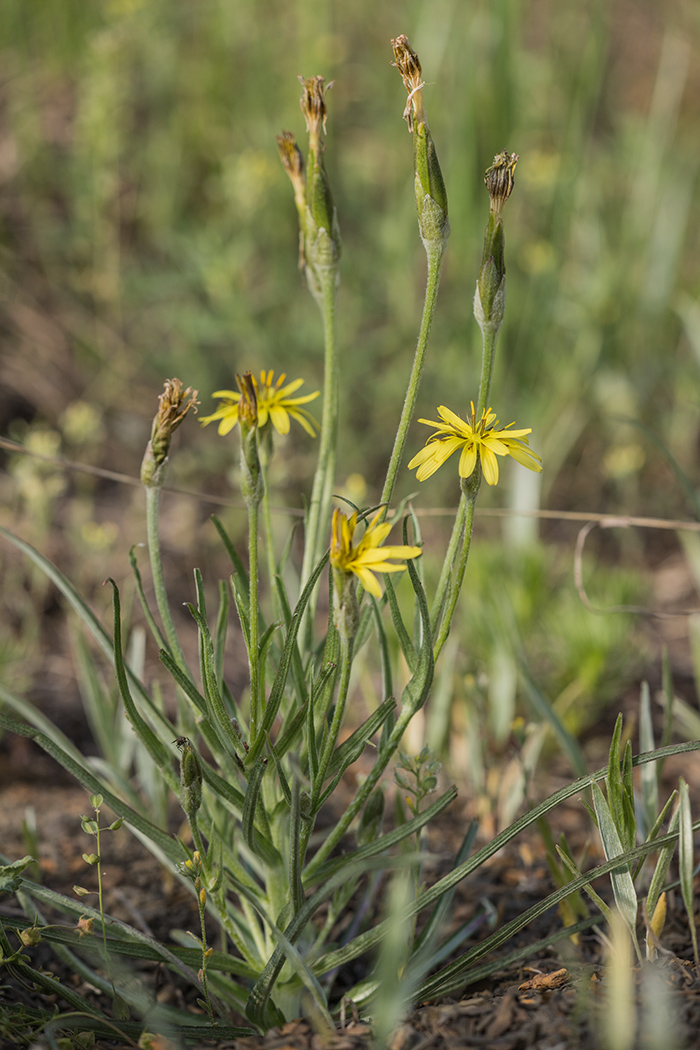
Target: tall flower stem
489, 336
447, 566
154, 554
435, 251
254, 620
267, 529
386, 753
318, 517
450, 585
466, 507
346, 654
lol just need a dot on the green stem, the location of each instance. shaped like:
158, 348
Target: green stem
448, 565
201, 904
152, 510
267, 528
346, 651
254, 620
489, 335
435, 251
386, 753
319, 508
346, 654
448, 587
469, 502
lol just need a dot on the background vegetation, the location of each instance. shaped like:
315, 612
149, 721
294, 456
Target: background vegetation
147, 230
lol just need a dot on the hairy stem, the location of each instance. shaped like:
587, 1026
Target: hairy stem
435, 252
152, 512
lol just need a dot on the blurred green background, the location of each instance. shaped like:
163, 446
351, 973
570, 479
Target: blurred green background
147, 229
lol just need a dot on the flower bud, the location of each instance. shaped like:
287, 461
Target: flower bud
490, 295
293, 161
322, 244
252, 485
175, 403
30, 937
431, 195
190, 781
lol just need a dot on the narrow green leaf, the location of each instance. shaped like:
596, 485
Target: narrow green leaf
351, 748
156, 749
407, 647
150, 618
215, 704
258, 1002
623, 887
546, 713
462, 871
416, 692
297, 664
385, 842
685, 860
84, 776
289, 735
254, 839
614, 780
575, 872
384, 654
240, 576
662, 865
188, 687
649, 773
277, 691
284, 783
423, 950
242, 609
295, 860
221, 629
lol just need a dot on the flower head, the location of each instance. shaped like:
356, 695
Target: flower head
274, 404
174, 404
480, 440
408, 65
367, 557
431, 195
499, 179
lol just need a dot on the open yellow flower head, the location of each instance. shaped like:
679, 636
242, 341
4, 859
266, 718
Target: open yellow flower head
367, 557
476, 440
274, 404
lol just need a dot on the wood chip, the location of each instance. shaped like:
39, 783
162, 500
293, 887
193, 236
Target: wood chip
543, 982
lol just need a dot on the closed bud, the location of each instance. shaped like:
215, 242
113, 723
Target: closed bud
30, 937
252, 485
174, 404
190, 781
490, 295
320, 230
431, 195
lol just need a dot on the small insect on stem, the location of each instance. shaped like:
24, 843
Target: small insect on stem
182, 742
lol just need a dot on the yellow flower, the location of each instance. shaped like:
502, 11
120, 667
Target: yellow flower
367, 557
480, 439
274, 404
